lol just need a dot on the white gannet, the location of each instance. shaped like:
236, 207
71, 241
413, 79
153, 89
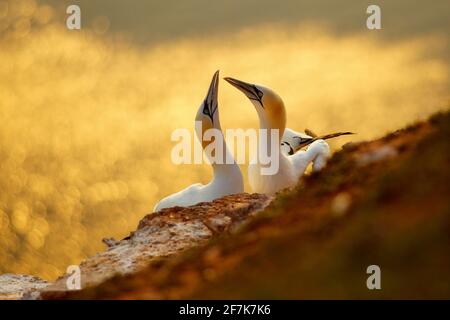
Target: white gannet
272, 115
227, 178
293, 141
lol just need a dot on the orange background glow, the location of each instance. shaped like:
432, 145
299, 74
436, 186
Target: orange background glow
86, 115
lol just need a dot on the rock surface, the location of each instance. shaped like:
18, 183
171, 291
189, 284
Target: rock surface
14, 286
163, 234
381, 202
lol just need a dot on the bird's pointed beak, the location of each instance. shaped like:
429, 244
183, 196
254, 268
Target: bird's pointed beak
211, 97
247, 88
250, 90
213, 88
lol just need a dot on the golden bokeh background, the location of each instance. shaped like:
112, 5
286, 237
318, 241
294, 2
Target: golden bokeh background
86, 116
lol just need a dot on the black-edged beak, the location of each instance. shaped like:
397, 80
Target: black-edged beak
305, 141
302, 142
250, 90
210, 104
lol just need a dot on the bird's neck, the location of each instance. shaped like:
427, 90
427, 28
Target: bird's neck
266, 124
224, 166
222, 161
271, 138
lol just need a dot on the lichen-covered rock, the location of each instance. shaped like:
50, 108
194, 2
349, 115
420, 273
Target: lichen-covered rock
382, 202
15, 286
163, 234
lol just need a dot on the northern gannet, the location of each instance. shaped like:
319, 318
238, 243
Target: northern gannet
272, 115
227, 177
293, 141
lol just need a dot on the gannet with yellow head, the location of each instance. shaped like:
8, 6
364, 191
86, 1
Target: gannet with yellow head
227, 177
293, 141
272, 116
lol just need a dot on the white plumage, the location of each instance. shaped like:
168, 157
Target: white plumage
227, 178
272, 116
318, 150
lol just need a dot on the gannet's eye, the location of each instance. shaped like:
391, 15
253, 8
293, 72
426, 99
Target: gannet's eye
256, 95
258, 92
206, 110
291, 150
